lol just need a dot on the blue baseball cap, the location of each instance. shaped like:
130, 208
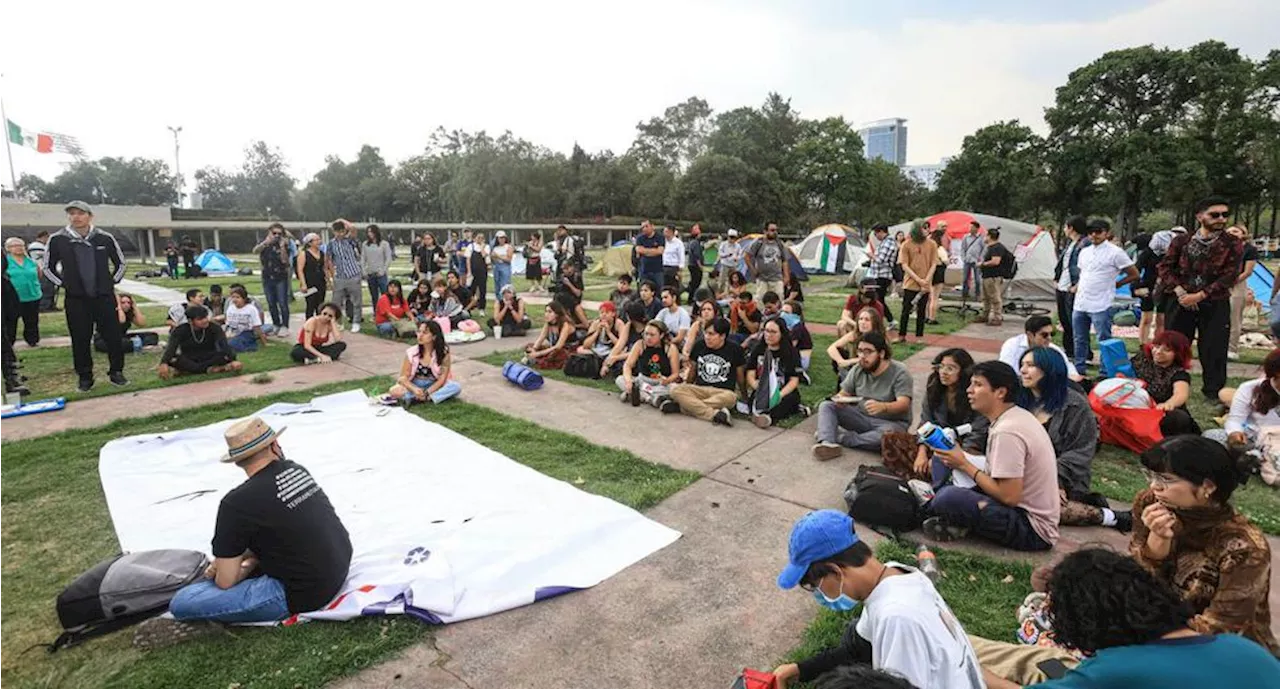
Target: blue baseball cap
816, 536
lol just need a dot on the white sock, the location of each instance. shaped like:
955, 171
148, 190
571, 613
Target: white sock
1108, 517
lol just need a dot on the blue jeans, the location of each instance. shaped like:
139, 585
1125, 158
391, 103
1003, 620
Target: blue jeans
656, 277
972, 269
277, 292
447, 391
501, 277
246, 341
377, 287
1080, 322
992, 521
386, 330
260, 599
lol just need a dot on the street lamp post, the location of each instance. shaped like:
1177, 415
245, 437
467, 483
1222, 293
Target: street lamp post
177, 162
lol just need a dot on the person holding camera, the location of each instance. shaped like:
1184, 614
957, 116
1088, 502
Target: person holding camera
273, 252
342, 264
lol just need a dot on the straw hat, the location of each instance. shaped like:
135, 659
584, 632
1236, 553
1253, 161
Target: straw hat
247, 437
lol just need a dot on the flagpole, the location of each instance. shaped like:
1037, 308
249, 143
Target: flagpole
8, 149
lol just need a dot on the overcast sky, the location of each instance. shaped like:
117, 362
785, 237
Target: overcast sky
323, 78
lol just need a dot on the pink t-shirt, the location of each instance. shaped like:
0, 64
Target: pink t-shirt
1019, 447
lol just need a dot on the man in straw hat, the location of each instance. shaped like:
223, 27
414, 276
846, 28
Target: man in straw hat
278, 546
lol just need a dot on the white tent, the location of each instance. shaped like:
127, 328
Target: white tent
831, 249
1031, 246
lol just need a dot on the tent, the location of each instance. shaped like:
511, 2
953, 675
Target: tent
797, 268
616, 260
831, 250
1031, 245
215, 262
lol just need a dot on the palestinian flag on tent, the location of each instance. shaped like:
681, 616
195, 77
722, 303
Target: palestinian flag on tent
43, 142
830, 256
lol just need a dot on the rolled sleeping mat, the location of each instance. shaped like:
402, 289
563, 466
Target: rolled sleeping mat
521, 375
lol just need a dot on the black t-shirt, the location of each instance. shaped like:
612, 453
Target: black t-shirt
284, 517
462, 294
275, 261
1250, 253
566, 295
653, 362
716, 368
1006, 257
786, 369
801, 337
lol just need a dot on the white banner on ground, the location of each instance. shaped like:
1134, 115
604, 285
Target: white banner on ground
442, 527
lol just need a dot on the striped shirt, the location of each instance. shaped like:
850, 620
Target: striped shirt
344, 254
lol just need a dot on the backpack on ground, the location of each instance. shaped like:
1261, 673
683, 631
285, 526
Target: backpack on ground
583, 365
122, 591
877, 497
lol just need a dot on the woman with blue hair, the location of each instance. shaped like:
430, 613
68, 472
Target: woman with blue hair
1067, 417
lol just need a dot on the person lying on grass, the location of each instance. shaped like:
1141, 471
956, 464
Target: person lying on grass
552, 346
279, 547
509, 314
197, 346
651, 367
712, 375
425, 373
905, 627
320, 340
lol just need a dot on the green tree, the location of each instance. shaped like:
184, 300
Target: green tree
827, 165
724, 189
261, 185
997, 171
674, 140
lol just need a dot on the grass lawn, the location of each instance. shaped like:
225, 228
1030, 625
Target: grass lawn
55, 526
54, 323
974, 586
52, 372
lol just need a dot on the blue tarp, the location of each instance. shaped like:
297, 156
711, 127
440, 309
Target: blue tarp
1260, 282
213, 261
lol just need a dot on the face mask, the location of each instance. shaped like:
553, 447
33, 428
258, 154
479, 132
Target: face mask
790, 319
841, 603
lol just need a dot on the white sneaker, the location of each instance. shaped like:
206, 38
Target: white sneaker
355, 327
282, 332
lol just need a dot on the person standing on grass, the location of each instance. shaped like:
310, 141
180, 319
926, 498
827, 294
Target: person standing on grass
996, 262
649, 249
39, 250
197, 346
884, 256
905, 627
26, 275
87, 263
189, 250
972, 248
342, 266
1100, 261
1240, 292
728, 260
713, 375
320, 340
696, 259
375, 262
885, 388
279, 547
1200, 269
767, 261
430, 261
477, 275
674, 258
273, 252
919, 259
502, 254
533, 263
1066, 275
939, 281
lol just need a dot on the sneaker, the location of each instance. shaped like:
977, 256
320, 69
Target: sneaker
722, 418
117, 379
742, 408
162, 632
633, 395
668, 406
806, 411
938, 529
282, 332
762, 420
85, 384
524, 361
804, 378
386, 400
355, 327
1124, 521
825, 451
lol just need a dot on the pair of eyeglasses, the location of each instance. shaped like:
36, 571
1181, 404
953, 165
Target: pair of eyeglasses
867, 352
1158, 480
946, 368
1218, 216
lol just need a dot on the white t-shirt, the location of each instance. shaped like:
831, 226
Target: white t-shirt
1099, 265
913, 633
242, 318
673, 254
675, 321
1013, 348
1243, 418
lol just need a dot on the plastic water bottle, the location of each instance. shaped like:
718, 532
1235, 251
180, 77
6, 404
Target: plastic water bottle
941, 438
927, 562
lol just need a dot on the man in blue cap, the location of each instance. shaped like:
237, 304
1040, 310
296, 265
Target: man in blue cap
905, 627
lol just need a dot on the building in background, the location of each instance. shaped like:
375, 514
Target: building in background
885, 139
926, 175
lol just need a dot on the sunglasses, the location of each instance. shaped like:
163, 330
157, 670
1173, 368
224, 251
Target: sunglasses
1218, 216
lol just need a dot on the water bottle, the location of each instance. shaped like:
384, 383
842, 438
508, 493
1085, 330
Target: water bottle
927, 562
941, 438
137, 343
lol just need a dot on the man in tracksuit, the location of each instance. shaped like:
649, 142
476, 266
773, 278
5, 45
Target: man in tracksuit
87, 263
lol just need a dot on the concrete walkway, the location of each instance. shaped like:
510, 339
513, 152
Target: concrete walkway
156, 293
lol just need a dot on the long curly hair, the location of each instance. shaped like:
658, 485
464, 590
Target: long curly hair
1265, 397
936, 392
1100, 599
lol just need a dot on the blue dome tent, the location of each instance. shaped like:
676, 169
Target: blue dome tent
215, 262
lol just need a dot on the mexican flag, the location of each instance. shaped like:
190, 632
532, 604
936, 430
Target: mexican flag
42, 143
829, 258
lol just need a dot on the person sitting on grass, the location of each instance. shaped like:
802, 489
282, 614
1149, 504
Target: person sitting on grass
603, 333
552, 346
649, 299
1132, 629
946, 405
197, 346
651, 367
244, 323
708, 312
462, 294
420, 300
905, 627
744, 318
129, 316
217, 304
509, 314
630, 332
1190, 537
391, 315
569, 292
843, 352
320, 340
773, 376
794, 291
1164, 364
674, 315
736, 285
864, 298
178, 312
1015, 500
1038, 332
622, 294
425, 372
1253, 406
447, 303
884, 387
268, 328
279, 547
713, 374
793, 316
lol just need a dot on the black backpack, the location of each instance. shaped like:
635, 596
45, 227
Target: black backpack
583, 365
1008, 265
876, 497
122, 591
